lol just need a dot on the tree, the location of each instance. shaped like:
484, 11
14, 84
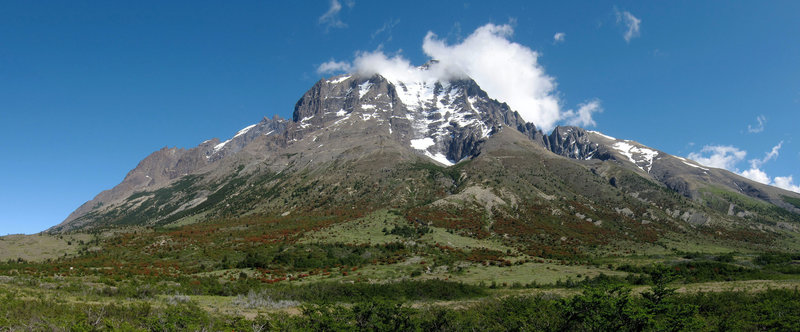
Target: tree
664, 312
604, 307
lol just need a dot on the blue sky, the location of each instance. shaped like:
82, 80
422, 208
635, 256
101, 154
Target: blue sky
87, 89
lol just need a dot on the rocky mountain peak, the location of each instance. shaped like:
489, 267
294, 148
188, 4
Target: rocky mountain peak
578, 143
266, 127
572, 142
444, 120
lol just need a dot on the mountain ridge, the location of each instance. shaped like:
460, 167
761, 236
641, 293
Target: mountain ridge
374, 124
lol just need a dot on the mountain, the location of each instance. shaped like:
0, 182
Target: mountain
684, 176
163, 166
443, 153
444, 121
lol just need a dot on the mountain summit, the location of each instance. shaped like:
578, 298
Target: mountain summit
445, 121
441, 152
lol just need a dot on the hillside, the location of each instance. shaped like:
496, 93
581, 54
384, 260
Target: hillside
443, 154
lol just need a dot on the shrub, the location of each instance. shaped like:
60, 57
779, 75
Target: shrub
255, 300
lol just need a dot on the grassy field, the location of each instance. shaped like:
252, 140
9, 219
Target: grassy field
255, 267
100, 303
192, 219
537, 273
367, 230
40, 247
372, 229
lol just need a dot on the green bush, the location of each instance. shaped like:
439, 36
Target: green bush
772, 258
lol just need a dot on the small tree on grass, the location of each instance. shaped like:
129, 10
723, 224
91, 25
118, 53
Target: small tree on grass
604, 307
383, 316
664, 312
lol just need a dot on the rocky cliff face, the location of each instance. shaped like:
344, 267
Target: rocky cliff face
445, 121
574, 142
276, 126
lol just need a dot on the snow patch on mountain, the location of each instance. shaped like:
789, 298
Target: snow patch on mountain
434, 107
422, 143
602, 135
341, 120
244, 130
339, 80
639, 156
304, 122
363, 88
414, 94
220, 146
425, 143
439, 157
365, 116
687, 162
695, 166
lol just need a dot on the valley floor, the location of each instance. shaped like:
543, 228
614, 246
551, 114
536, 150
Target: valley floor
382, 272
74, 304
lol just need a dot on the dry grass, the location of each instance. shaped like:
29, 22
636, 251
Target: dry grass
39, 247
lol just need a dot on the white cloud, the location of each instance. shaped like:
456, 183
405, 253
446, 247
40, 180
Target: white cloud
394, 68
559, 37
630, 22
760, 127
331, 18
583, 117
332, 66
757, 175
756, 164
772, 154
387, 28
719, 156
507, 71
728, 156
786, 182
755, 172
